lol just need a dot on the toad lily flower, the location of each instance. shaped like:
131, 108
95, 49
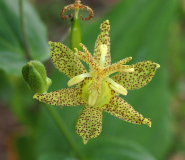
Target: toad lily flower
94, 89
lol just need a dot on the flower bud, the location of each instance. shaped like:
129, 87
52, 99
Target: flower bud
34, 74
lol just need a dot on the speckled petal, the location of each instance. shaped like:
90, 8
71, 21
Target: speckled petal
121, 109
143, 73
103, 38
65, 60
62, 97
89, 124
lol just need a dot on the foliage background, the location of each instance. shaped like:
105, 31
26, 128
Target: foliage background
143, 29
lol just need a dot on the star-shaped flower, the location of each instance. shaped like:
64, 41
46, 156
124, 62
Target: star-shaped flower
95, 89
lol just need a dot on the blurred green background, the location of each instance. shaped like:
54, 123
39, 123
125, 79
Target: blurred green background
144, 29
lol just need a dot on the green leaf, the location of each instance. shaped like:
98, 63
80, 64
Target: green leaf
116, 148
54, 156
24, 147
11, 39
21, 102
5, 88
11, 62
49, 138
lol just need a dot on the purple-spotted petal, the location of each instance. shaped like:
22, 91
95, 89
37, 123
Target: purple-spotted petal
121, 109
65, 61
143, 74
89, 124
62, 97
103, 38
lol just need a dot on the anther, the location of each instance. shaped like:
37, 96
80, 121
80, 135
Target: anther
116, 87
119, 89
77, 79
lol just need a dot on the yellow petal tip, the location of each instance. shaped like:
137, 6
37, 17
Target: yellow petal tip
85, 141
76, 50
50, 43
35, 96
107, 21
147, 121
157, 66
105, 26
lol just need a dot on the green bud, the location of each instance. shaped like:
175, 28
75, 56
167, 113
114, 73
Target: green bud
75, 38
34, 73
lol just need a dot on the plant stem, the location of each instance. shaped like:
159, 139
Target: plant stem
58, 120
23, 29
